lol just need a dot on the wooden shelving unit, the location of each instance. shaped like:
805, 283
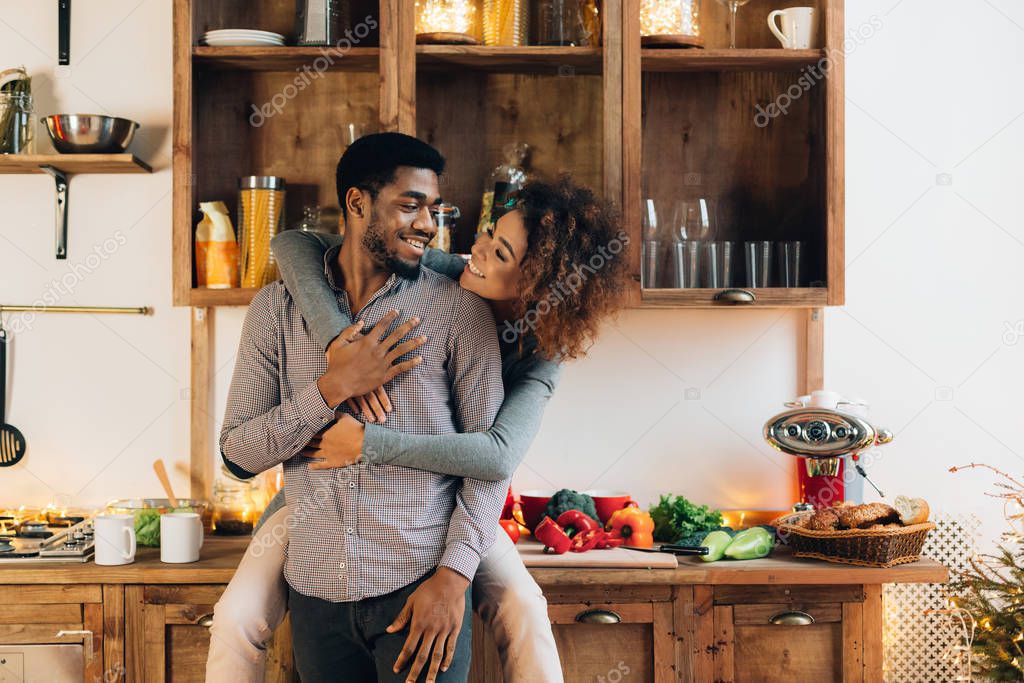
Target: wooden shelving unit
631, 121
73, 163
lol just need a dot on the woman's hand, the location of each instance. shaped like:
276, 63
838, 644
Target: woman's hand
373, 407
338, 446
357, 364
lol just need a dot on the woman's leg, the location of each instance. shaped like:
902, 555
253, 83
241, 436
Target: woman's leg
513, 606
252, 606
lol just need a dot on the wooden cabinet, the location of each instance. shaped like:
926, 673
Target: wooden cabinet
757, 131
167, 632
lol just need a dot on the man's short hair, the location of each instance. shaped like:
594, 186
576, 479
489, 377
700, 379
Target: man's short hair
371, 161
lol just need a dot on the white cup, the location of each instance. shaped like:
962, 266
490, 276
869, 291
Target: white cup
181, 537
799, 27
115, 539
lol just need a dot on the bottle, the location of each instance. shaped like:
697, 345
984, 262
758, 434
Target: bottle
502, 187
216, 248
506, 22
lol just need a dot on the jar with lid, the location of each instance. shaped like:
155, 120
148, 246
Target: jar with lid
234, 509
445, 216
260, 217
670, 23
566, 23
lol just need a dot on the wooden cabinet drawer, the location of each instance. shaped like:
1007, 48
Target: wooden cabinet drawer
34, 615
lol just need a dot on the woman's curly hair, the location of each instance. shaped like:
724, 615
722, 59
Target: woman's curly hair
574, 270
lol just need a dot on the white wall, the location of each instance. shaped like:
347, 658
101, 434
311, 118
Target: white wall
933, 281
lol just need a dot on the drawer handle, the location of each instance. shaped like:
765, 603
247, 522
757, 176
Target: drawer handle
86, 640
598, 616
736, 296
206, 621
794, 618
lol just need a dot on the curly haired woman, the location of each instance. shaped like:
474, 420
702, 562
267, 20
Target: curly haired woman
552, 269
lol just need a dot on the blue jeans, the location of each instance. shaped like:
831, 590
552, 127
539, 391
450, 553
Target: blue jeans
347, 641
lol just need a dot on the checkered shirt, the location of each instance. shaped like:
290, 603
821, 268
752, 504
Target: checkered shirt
370, 529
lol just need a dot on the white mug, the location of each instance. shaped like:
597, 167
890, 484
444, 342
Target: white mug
114, 539
181, 537
799, 27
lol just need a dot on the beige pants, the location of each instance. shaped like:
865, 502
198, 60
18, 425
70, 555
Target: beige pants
254, 603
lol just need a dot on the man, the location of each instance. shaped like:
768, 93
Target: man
383, 539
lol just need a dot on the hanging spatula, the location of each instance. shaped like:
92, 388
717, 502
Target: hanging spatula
12, 442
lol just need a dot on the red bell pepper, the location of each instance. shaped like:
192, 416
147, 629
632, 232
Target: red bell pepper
511, 528
586, 540
575, 522
552, 536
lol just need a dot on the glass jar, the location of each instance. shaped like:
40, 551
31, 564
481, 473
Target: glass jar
443, 22
260, 217
506, 22
445, 217
17, 125
234, 510
672, 23
566, 23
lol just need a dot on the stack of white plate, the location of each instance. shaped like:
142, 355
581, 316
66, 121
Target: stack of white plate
229, 37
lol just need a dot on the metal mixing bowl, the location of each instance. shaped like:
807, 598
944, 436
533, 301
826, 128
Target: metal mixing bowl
89, 133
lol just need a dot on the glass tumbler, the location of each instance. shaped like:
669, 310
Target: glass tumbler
759, 263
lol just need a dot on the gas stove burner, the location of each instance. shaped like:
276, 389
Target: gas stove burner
34, 530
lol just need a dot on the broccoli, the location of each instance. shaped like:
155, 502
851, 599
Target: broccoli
567, 499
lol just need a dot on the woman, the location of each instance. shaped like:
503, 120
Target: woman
552, 270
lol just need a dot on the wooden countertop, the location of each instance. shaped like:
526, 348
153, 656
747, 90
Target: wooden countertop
220, 556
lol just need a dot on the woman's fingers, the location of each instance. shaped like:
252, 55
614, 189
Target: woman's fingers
364, 408
353, 406
399, 332
382, 396
376, 409
382, 325
347, 335
404, 348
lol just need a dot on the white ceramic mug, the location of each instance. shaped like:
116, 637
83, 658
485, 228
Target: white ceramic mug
115, 539
799, 27
181, 537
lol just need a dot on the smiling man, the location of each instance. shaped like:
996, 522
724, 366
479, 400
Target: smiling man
372, 540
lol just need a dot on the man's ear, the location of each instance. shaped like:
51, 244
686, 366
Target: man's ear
354, 201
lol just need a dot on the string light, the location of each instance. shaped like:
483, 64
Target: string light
444, 16
669, 17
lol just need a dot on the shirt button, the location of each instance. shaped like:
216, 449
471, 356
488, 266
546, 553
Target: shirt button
341, 566
351, 484
349, 530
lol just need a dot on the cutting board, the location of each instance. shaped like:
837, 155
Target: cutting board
533, 555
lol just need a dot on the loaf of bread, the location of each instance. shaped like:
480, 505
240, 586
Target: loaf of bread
825, 519
912, 510
864, 516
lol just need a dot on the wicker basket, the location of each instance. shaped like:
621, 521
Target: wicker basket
864, 547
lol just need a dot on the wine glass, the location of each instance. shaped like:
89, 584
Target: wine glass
734, 6
693, 220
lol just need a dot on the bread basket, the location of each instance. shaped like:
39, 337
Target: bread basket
863, 547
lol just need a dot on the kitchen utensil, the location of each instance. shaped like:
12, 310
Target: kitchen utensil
790, 263
822, 437
319, 22
674, 549
607, 502
12, 442
686, 263
63, 32
181, 537
759, 263
534, 503
115, 539
799, 30
161, 474
718, 260
89, 133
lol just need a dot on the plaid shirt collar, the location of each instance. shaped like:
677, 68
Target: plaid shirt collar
331, 258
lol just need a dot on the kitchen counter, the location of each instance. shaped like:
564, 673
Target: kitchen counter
220, 556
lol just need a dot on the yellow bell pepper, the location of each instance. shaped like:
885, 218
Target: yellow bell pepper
634, 526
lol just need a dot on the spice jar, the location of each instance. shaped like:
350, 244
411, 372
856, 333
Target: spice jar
234, 510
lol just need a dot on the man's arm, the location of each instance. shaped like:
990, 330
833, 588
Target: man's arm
260, 430
474, 370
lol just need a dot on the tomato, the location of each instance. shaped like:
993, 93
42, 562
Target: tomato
511, 528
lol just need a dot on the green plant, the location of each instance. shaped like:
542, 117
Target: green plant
675, 518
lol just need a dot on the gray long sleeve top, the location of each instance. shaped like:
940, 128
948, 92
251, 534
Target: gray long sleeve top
490, 455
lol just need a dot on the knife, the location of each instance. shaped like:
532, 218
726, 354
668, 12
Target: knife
674, 549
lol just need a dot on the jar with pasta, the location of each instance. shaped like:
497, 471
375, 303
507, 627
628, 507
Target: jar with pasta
260, 217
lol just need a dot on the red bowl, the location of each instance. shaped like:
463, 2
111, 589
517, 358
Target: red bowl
534, 502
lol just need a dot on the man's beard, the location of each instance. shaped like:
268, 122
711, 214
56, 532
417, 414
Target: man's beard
376, 246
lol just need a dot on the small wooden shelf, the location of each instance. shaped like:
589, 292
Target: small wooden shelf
772, 297
775, 59
532, 59
238, 296
73, 163
287, 58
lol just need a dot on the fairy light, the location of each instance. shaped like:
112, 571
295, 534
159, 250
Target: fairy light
444, 16
669, 17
